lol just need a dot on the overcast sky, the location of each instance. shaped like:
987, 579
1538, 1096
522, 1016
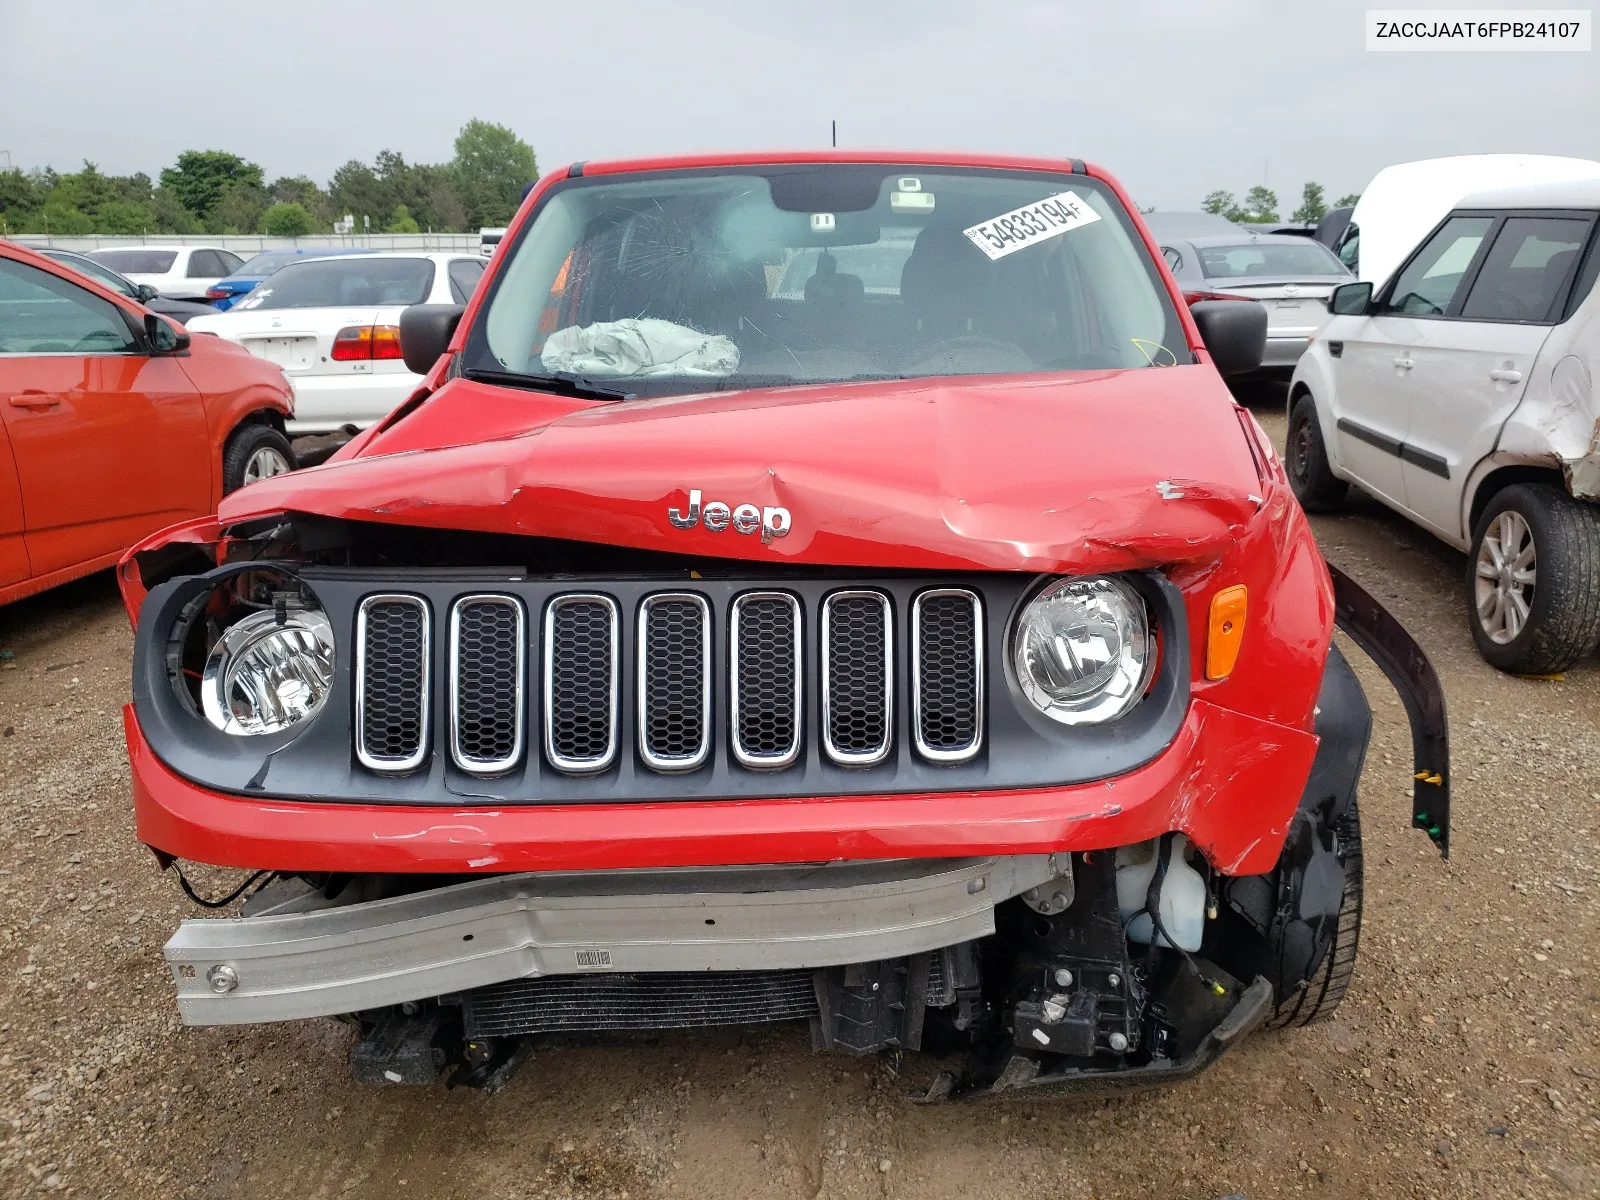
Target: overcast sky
1177, 97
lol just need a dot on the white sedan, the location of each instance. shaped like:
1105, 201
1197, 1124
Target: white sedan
177, 272
333, 325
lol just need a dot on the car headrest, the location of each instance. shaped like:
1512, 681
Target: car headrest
828, 286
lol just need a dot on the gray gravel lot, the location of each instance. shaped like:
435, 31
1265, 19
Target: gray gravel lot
1465, 1061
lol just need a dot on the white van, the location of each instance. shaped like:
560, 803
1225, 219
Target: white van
1405, 201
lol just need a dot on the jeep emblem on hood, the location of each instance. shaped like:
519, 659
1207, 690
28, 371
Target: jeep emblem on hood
745, 518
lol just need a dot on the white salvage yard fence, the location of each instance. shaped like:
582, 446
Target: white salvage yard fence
248, 244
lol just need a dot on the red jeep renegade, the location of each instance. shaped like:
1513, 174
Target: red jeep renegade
821, 586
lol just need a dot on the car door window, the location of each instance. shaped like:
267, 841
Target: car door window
1431, 280
203, 265
1526, 270
1174, 259
230, 261
43, 314
464, 276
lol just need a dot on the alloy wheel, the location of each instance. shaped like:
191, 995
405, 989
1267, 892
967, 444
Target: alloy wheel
1505, 576
264, 463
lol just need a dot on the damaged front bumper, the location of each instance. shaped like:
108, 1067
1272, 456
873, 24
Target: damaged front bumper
331, 958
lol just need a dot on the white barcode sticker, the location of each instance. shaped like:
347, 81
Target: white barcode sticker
1036, 222
593, 960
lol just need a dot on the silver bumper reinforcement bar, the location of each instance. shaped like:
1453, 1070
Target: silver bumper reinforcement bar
328, 958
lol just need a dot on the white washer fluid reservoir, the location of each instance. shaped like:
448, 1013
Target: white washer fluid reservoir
1183, 894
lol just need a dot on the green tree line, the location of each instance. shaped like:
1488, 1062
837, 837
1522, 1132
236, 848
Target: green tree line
1260, 205
213, 191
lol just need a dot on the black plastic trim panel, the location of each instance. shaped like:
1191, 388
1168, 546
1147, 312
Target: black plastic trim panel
1020, 747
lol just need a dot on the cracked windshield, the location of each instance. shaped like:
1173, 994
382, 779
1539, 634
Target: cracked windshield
693, 281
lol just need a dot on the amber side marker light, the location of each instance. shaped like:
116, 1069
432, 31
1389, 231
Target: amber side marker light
1226, 631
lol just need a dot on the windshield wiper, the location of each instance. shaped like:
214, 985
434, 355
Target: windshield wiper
562, 383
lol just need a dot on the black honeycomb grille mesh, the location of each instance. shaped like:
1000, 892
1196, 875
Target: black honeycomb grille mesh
766, 653
658, 1000
947, 684
394, 654
580, 681
858, 691
488, 651
674, 682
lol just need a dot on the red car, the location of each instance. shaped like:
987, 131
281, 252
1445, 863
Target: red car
806, 587
114, 423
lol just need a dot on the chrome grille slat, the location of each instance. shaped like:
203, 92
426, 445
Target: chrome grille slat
393, 661
947, 674
581, 677
857, 677
487, 683
674, 685
765, 670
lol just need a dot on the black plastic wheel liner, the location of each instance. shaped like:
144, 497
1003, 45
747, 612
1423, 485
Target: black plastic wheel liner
1397, 654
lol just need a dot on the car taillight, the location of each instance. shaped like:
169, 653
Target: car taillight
358, 343
1196, 297
386, 341
216, 293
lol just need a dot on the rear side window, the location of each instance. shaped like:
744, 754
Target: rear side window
137, 262
43, 314
338, 283
205, 264
464, 276
1526, 270
1428, 285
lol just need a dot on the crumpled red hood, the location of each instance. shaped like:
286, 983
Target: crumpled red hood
1109, 470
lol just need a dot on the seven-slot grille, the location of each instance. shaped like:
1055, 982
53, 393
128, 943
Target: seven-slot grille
673, 683
392, 684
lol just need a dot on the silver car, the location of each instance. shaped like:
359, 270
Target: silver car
1293, 276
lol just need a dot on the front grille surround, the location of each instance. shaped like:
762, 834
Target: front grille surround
466, 708
588, 764
388, 672
698, 692
836, 694
926, 670
741, 673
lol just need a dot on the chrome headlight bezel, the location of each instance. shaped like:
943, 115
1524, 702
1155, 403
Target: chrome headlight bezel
1107, 694
295, 687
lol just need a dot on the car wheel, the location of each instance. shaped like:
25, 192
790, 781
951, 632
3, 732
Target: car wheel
1310, 476
1533, 580
255, 452
1322, 992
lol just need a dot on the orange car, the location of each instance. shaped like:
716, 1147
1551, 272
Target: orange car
114, 423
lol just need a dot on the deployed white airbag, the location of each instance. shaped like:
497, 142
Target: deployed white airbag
638, 347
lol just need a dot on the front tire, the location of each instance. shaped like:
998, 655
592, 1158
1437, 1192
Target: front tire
255, 452
1533, 580
1322, 992
1310, 475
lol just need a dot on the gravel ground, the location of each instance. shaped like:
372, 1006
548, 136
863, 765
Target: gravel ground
1464, 1061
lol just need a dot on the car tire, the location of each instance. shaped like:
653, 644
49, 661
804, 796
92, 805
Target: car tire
255, 452
1320, 995
1306, 460
1543, 615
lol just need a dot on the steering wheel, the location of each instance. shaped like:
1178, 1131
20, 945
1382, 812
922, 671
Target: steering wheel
88, 340
954, 349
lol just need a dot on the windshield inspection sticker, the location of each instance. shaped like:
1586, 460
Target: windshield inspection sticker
1022, 227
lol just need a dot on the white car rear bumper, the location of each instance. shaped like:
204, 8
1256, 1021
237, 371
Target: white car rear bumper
323, 403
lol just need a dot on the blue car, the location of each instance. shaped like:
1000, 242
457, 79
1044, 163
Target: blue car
227, 292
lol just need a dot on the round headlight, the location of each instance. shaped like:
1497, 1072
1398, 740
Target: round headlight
268, 672
1081, 650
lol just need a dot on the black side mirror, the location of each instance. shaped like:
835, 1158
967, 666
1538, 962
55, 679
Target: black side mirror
1350, 300
163, 337
144, 293
425, 333
1234, 331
